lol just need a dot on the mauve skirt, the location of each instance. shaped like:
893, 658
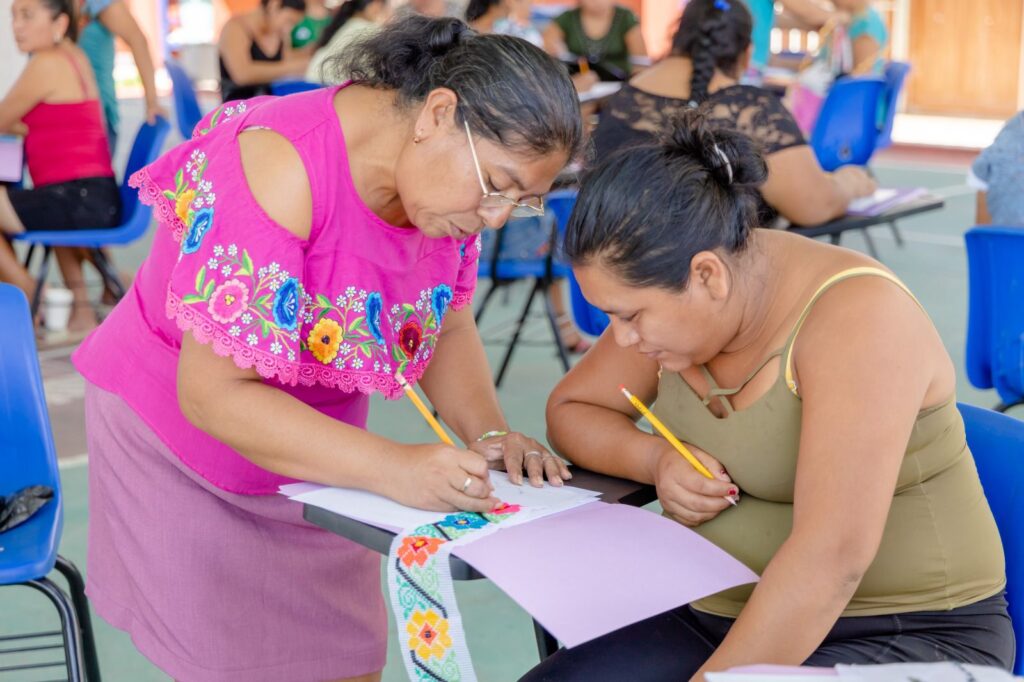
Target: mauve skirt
214, 586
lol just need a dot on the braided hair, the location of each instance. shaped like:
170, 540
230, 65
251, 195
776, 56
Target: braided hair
714, 34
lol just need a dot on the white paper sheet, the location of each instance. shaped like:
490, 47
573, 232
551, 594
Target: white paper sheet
385, 513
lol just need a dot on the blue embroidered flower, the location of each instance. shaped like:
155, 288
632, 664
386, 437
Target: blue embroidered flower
374, 306
462, 251
200, 226
440, 300
463, 520
286, 304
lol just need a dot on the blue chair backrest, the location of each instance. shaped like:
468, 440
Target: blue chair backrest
27, 453
847, 127
997, 443
149, 142
186, 106
289, 87
589, 319
995, 318
895, 76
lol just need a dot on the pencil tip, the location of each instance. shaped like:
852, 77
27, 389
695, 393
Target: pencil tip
622, 387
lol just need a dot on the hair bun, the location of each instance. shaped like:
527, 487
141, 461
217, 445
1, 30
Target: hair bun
730, 157
442, 35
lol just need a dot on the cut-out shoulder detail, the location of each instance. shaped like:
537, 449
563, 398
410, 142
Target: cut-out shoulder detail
277, 179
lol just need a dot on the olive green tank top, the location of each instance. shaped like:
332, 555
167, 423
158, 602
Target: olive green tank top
940, 548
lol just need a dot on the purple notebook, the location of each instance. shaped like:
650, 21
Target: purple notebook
883, 200
12, 158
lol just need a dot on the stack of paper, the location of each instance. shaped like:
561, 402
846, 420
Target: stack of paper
884, 199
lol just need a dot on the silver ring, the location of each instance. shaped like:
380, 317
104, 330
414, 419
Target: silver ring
469, 482
534, 453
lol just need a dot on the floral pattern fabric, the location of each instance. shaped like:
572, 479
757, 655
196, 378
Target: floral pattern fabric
423, 596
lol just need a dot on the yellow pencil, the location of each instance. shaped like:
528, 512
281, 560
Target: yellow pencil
434, 424
584, 65
663, 430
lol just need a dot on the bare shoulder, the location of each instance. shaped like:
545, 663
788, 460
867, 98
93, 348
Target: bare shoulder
277, 179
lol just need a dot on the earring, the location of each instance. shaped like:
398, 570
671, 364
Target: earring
57, 38
416, 138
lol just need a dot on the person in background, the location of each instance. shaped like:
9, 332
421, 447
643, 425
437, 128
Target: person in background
807, 12
482, 15
354, 20
710, 51
998, 175
307, 32
600, 32
867, 34
55, 103
518, 23
255, 49
105, 20
813, 386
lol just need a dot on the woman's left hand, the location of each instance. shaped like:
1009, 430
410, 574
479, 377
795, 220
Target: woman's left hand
515, 452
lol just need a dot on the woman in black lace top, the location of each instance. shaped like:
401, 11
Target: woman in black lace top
710, 50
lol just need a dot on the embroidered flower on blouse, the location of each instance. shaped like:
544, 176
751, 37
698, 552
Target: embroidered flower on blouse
286, 304
235, 330
229, 301
324, 340
440, 300
374, 306
410, 336
201, 223
276, 348
252, 340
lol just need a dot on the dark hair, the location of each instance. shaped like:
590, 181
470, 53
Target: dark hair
298, 5
509, 91
647, 210
67, 7
477, 8
713, 34
348, 9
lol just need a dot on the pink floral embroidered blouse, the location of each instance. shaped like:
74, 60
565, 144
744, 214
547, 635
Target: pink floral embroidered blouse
329, 319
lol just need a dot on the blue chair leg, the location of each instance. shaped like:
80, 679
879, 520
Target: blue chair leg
69, 627
44, 270
78, 599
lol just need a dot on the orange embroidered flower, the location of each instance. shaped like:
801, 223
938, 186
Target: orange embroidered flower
324, 340
428, 634
418, 549
182, 203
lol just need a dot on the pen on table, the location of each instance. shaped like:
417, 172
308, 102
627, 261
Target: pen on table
427, 415
667, 435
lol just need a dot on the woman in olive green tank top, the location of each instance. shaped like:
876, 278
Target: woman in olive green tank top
812, 383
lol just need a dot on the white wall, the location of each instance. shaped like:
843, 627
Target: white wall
11, 61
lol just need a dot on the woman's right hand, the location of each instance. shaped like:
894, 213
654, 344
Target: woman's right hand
685, 494
855, 181
439, 477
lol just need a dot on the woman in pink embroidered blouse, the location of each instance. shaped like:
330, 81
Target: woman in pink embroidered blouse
309, 248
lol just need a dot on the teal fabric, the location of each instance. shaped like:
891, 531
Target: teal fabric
763, 13
869, 23
98, 44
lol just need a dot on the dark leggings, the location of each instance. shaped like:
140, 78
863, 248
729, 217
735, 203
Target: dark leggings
674, 645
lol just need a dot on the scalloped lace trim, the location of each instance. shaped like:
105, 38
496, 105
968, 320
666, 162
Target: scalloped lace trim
270, 366
151, 195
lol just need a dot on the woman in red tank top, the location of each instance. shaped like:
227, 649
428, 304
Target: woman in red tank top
55, 105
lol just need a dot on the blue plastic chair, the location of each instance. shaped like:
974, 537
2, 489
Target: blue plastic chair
895, 76
28, 457
135, 215
995, 318
846, 131
997, 443
543, 270
290, 87
186, 106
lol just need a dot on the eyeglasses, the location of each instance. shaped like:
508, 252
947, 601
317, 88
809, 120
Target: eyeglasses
532, 207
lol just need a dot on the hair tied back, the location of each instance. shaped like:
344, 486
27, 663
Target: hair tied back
725, 161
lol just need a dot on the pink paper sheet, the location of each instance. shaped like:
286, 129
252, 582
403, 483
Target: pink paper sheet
11, 158
594, 569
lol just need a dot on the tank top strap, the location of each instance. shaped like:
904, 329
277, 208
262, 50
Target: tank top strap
826, 285
78, 72
715, 391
